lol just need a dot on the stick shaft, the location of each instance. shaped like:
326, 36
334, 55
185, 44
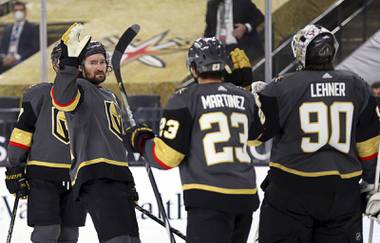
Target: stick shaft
13, 218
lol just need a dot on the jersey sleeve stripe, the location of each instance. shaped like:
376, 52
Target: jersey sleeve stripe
166, 156
368, 148
158, 161
371, 157
19, 145
21, 138
69, 106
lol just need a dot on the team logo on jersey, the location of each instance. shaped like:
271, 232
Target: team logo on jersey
114, 119
147, 51
59, 126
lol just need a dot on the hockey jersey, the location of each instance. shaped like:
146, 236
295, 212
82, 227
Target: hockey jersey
325, 128
205, 131
95, 128
40, 138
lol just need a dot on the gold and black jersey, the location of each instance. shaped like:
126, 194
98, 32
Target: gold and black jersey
95, 127
40, 138
205, 131
324, 125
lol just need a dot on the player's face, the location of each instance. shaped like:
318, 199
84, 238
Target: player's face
95, 68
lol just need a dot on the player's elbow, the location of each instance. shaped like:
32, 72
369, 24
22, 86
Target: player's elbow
165, 156
68, 105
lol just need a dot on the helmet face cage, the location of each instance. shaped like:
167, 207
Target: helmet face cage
207, 55
304, 37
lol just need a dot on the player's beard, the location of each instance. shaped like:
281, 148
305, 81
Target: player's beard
97, 78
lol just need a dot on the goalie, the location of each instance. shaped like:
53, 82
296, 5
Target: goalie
326, 139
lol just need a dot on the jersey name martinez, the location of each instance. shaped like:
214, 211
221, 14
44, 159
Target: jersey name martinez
223, 100
328, 89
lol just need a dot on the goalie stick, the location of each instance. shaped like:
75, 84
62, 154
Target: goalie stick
120, 48
13, 218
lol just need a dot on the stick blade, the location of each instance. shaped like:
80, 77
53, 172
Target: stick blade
123, 43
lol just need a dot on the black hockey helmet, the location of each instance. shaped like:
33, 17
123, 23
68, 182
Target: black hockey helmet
207, 55
56, 53
314, 44
94, 47
321, 50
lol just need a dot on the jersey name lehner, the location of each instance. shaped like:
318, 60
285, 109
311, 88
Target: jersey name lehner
327, 89
223, 100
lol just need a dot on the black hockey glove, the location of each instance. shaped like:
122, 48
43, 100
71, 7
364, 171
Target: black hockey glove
65, 60
136, 137
241, 69
16, 181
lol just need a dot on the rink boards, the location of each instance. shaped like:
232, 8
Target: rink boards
169, 184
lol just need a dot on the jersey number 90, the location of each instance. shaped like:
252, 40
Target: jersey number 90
332, 125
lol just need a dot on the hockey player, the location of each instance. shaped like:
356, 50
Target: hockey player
100, 176
204, 130
39, 146
326, 136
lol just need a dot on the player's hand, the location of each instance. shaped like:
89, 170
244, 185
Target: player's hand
72, 40
136, 137
241, 69
239, 30
16, 182
373, 206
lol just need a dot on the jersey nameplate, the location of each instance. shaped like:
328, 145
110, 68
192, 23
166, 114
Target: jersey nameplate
328, 89
223, 100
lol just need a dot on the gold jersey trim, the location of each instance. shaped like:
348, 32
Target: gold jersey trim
98, 161
70, 106
368, 147
219, 189
21, 137
316, 174
167, 154
48, 164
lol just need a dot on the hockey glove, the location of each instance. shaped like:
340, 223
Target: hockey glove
136, 137
72, 46
241, 69
373, 206
71, 38
16, 181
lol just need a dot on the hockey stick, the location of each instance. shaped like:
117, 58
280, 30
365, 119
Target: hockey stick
120, 48
375, 189
147, 213
13, 218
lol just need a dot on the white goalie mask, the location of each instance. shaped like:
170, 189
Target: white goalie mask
304, 37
